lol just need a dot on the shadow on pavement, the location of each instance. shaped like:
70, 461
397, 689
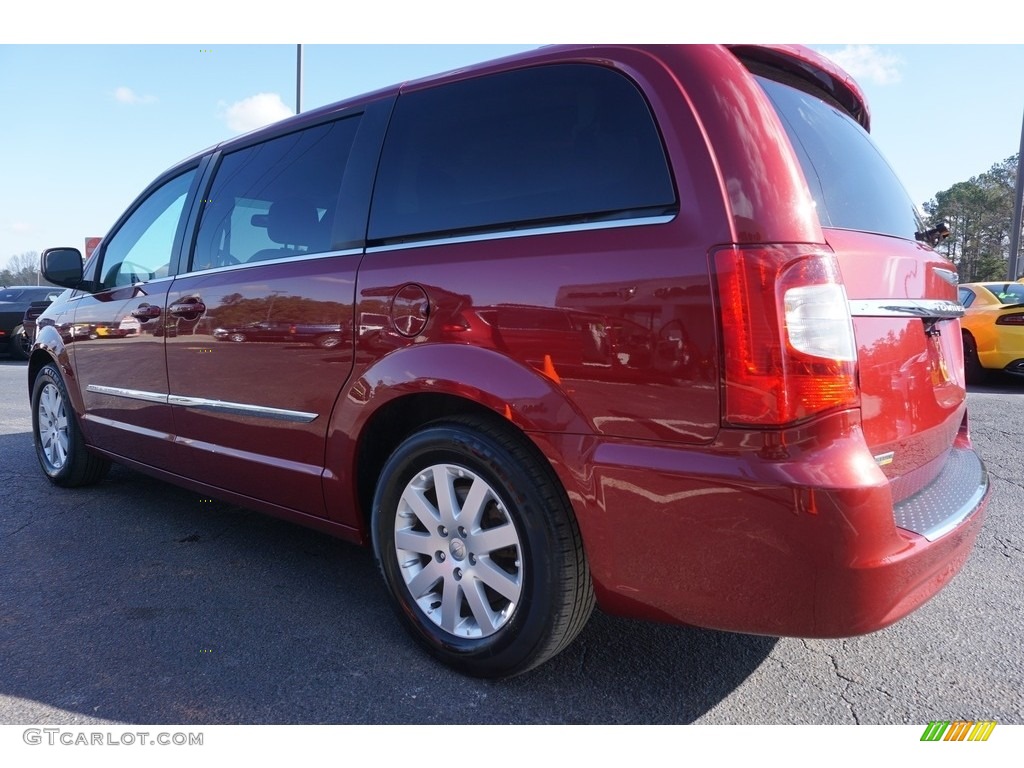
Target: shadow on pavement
139, 602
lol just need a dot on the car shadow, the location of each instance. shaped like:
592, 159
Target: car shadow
136, 601
999, 383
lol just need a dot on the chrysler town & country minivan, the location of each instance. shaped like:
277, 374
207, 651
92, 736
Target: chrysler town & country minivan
651, 328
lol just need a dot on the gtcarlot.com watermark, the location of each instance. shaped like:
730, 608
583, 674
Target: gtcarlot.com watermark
60, 736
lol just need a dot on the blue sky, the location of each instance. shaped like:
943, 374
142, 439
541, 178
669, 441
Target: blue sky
86, 127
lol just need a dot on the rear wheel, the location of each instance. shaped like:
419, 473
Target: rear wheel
973, 371
60, 448
480, 549
20, 344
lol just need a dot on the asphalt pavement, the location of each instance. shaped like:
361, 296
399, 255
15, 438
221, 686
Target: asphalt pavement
139, 602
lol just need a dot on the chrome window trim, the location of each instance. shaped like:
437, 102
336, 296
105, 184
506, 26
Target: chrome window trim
242, 409
166, 278
284, 260
509, 233
222, 406
942, 309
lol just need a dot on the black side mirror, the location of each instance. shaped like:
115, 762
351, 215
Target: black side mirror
63, 266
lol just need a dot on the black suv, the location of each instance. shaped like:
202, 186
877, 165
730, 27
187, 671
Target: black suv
14, 301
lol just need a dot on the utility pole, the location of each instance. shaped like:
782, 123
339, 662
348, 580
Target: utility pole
1018, 204
298, 80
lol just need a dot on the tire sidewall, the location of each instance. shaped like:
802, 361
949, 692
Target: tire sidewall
974, 373
17, 343
514, 643
49, 375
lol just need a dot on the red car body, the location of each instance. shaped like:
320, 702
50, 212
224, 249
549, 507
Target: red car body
706, 491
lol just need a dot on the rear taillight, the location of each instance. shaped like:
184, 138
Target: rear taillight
1017, 319
787, 335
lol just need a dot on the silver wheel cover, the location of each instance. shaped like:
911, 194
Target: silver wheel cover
53, 427
458, 551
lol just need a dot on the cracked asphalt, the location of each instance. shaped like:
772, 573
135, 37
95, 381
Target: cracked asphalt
138, 602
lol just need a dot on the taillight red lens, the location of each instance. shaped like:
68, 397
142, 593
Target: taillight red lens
1016, 319
787, 334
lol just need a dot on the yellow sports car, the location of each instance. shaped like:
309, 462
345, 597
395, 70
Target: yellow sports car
993, 328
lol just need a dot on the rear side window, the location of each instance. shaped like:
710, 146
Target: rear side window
852, 185
277, 199
562, 143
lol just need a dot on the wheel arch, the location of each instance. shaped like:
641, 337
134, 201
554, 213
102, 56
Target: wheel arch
49, 348
412, 387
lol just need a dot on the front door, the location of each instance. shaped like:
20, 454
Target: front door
117, 336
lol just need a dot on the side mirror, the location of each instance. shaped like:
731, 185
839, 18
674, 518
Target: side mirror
63, 266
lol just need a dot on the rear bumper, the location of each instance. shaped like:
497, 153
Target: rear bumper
793, 534
1016, 367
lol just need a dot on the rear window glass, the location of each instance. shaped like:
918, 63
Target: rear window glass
27, 294
1007, 293
555, 144
852, 184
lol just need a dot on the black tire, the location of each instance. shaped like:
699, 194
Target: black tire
60, 448
499, 585
973, 371
20, 344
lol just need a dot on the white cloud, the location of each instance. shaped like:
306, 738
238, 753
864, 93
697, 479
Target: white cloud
256, 111
868, 64
20, 227
126, 95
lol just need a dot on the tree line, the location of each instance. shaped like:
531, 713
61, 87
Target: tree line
22, 270
979, 214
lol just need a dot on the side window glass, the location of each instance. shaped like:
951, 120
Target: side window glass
966, 296
552, 144
275, 200
141, 249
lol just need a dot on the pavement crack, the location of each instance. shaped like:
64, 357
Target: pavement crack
849, 681
1009, 480
583, 658
1007, 545
17, 530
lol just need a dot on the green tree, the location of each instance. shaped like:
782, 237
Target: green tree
979, 213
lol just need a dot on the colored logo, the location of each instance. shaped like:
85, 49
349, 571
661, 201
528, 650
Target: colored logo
958, 730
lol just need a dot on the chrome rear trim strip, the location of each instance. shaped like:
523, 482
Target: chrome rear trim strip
940, 309
242, 409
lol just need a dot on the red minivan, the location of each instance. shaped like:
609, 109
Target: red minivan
655, 328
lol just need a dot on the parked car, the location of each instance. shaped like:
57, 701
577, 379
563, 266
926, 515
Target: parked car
655, 328
324, 335
28, 323
993, 329
14, 302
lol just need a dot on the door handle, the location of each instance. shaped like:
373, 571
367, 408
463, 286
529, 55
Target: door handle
146, 312
187, 308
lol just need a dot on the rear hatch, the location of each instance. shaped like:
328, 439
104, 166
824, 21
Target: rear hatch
902, 294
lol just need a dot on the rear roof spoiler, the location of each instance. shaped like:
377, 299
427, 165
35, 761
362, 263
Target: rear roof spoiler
814, 71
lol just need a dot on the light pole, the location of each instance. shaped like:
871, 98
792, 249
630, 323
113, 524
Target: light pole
1018, 203
298, 80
